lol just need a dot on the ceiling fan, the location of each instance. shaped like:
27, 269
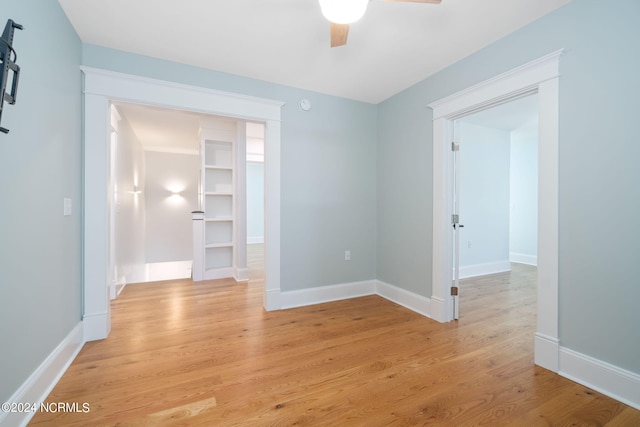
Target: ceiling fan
341, 13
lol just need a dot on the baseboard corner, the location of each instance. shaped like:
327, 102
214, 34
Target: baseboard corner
414, 302
40, 383
546, 352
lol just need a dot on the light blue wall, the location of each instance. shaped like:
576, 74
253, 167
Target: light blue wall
484, 195
523, 227
340, 191
404, 179
598, 155
40, 268
328, 170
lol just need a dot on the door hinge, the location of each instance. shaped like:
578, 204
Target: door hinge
454, 291
455, 146
455, 219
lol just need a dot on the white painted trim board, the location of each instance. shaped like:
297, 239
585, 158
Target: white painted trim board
617, 383
539, 76
40, 383
101, 87
484, 269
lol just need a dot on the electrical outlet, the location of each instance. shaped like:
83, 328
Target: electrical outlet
347, 255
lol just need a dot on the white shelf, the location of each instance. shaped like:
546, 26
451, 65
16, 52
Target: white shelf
219, 245
222, 234
218, 257
218, 153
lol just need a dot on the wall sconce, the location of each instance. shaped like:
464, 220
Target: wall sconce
175, 189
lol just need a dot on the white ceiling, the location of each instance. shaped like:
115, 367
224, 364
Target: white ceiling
394, 46
174, 131
287, 41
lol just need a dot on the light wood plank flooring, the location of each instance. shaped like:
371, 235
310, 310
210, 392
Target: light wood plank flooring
207, 354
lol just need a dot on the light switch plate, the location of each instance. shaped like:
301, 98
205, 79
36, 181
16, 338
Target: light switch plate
67, 206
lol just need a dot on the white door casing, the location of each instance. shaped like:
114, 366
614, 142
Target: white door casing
455, 223
100, 88
539, 76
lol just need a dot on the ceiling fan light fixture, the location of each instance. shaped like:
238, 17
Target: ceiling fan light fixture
343, 11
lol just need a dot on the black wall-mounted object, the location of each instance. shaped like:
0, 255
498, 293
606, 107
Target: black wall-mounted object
8, 64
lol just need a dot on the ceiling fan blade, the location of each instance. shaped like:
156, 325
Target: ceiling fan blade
418, 1
339, 33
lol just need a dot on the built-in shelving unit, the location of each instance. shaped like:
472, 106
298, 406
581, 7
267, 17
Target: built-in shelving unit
222, 244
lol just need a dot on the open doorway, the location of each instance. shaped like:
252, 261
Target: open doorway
497, 198
539, 76
100, 87
255, 200
155, 184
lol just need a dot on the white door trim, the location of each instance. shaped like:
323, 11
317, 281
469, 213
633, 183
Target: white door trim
539, 76
101, 87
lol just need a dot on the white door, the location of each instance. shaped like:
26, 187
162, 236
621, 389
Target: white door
455, 221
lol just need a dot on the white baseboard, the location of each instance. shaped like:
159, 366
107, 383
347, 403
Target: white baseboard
321, 294
241, 274
40, 383
523, 258
157, 271
438, 309
418, 303
219, 273
272, 300
603, 377
484, 269
96, 326
546, 351
607, 379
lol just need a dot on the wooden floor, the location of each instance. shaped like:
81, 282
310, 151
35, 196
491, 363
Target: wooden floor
207, 354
